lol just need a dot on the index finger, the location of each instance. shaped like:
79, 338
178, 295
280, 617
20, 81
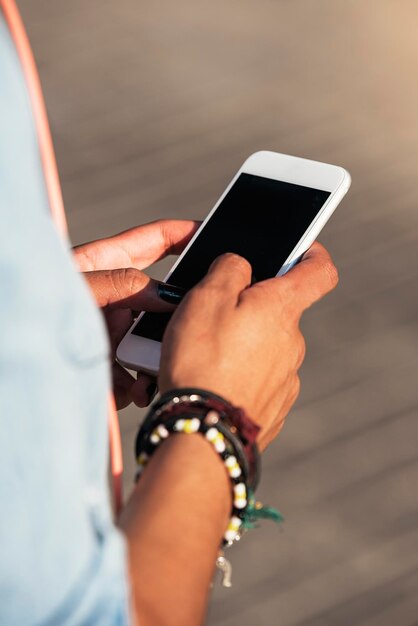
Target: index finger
227, 277
151, 242
137, 247
308, 281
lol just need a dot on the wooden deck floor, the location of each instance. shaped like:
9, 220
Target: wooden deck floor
153, 106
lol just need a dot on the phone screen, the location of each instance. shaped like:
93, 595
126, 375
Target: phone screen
260, 219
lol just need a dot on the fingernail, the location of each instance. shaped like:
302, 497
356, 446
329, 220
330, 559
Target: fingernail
152, 391
170, 293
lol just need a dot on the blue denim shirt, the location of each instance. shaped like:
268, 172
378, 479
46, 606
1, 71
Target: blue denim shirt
62, 561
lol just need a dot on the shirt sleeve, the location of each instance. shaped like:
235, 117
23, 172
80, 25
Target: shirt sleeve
62, 561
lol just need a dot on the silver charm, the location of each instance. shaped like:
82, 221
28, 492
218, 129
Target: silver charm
226, 568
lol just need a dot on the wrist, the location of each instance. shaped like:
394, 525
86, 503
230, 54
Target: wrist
230, 432
184, 413
174, 522
195, 469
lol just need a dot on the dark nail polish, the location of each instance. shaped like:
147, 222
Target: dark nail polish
170, 293
152, 390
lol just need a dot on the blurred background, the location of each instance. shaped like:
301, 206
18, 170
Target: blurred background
153, 107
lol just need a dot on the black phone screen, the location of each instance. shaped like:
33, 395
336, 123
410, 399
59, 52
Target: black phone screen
260, 219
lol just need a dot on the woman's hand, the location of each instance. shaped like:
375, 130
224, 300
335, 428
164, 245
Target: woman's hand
243, 342
112, 268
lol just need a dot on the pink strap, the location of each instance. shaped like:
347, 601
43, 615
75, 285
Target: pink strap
53, 186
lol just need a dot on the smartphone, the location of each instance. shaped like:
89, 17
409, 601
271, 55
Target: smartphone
271, 213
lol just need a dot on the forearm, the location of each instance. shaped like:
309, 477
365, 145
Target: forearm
174, 522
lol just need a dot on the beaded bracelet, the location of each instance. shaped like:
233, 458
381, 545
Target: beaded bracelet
192, 419
233, 436
239, 429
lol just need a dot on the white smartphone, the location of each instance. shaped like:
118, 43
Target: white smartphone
271, 213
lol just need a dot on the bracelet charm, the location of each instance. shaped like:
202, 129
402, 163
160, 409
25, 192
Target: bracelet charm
233, 437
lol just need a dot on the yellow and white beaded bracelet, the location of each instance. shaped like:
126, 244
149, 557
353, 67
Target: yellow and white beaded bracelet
232, 435
207, 427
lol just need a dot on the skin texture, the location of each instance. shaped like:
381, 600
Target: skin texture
237, 340
243, 342
174, 522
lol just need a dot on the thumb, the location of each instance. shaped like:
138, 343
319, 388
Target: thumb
312, 278
304, 284
126, 288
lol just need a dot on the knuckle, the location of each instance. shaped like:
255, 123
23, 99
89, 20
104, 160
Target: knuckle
129, 277
259, 291
301, 350
114, 280
296, 388
331, 273
126, 281
260, 300
166, 235
275, 297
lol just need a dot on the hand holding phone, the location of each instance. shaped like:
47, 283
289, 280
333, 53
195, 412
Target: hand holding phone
271, 212
243, 342
112, 268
